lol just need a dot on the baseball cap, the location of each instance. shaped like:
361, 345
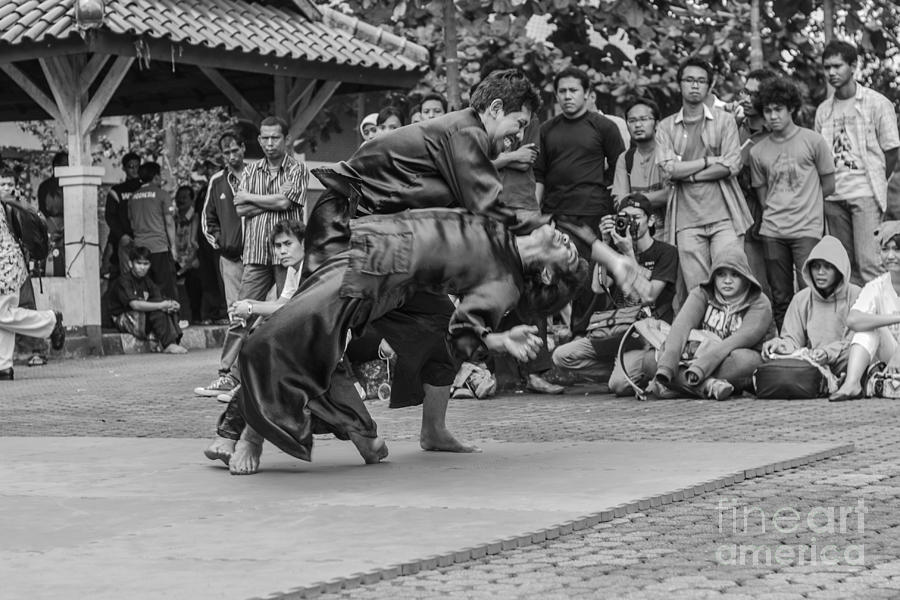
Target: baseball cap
640, 201
886, 232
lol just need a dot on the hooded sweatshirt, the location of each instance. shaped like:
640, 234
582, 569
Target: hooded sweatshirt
813, 321
743, 324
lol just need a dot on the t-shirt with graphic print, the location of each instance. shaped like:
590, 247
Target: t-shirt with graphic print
850, 179
791, 169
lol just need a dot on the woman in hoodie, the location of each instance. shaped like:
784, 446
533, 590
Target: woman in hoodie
735, 315
817, 315
875, 317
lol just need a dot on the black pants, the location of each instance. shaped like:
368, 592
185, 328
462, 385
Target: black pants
162, 273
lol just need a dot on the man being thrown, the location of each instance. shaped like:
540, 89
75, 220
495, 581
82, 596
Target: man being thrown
817, 315
440, 162
287, 365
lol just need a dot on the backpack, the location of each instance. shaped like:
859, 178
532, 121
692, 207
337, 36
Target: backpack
29, 227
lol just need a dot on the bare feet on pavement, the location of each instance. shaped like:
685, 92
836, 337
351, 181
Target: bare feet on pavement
220, 449
245, 460
373, 450
443, 441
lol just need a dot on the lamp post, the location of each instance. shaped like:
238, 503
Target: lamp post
89, 14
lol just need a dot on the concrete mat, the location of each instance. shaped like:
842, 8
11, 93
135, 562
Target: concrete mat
151, 518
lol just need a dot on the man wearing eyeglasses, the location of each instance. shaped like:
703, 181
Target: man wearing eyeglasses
698, 150
636, 168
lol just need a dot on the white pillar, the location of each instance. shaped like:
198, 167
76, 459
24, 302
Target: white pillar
81, 304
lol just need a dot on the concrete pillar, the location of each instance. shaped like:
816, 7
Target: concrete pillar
81, 299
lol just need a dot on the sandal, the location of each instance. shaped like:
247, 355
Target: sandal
37, 360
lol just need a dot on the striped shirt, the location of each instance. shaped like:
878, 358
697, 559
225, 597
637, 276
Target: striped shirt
257, 180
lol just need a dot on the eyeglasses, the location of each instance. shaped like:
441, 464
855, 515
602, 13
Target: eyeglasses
636, 120
692, 81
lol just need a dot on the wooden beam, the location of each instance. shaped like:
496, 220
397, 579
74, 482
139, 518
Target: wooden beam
233, 94
62, 88
91, 70
302, 90
281, 84
105, 92
312, 109
33, 91
63, 82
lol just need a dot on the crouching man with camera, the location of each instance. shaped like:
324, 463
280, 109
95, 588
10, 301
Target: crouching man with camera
630, 232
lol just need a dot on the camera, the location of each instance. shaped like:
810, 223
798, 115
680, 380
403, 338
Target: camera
626, 223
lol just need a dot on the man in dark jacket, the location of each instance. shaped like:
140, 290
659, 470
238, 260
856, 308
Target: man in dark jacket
116, 213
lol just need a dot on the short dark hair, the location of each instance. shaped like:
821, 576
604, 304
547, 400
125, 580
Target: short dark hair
148, 171
780, 90
434, 96
7, 171
542, 299
139, 252
130, 156
291, 227
273, 121
60, 159
229, 135
415, 109
511, 87
653, 106
184, 187
845, 50
387, 112
696, 61
576, 73
762, 75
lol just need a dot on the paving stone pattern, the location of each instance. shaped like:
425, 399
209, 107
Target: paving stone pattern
702, 547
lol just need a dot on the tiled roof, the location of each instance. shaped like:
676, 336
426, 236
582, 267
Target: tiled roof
231, 25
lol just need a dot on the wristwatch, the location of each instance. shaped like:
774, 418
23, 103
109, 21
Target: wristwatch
249, 309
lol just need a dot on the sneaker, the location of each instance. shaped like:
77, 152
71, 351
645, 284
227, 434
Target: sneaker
7, 374
37, 360
58, 335
226, 397
222, 384
538, 384
175, 349
718, 389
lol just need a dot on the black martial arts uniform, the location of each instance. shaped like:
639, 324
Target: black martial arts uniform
288, 363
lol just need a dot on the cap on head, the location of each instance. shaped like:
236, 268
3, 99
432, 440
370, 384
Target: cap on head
886, 232
637, 201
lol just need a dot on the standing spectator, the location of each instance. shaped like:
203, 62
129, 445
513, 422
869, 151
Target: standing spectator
368, 127
861, 126
389, 119
752, 129
272, 189
636, 168
792, 168
433, 105
116, 213
222, 226
150, 212
187, 258
415, 114
698, 150
578, 152
13, 273
50, 203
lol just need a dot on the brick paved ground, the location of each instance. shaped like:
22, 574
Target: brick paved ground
689, 549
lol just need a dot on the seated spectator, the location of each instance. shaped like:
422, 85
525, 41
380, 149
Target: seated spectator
733, 316
875, 317
389, 119
660, 262
817, 315
138, 307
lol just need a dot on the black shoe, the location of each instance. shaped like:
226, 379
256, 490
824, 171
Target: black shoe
6, 374
58, 335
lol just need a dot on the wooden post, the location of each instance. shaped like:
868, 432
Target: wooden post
828, 10
451, 60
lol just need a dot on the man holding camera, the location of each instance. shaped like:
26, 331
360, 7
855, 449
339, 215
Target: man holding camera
630, 232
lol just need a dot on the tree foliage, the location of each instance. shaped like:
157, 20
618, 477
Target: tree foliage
658, 34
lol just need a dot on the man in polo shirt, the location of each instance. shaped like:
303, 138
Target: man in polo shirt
861, 126
151, 215
271, 189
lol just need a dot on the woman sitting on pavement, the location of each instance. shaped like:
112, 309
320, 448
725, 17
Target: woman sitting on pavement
876, 318
733, 316
816, 318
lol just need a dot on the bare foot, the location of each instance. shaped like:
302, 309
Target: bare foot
443, 441
245, 460
220, 449
846, 392
373, 450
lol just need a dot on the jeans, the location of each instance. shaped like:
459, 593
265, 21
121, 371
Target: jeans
737, 369
854, 222
699, 246
784, 261
232, 271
